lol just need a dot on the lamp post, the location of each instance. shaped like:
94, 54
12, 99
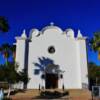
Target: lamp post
63, 87
42, 77
60, 72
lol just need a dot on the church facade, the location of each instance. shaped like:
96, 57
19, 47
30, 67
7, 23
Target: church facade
53, 58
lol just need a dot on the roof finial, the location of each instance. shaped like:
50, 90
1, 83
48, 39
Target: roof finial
24, 34
79, 35
52, 24
24, 31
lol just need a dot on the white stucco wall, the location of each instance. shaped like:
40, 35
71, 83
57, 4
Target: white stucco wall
65, 56
20, 53
70, 55
83, 62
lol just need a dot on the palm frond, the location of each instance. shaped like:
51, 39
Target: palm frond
4, 27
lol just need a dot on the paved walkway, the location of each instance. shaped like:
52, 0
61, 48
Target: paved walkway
34, 95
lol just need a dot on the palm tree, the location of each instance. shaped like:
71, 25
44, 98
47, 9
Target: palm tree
13, 51
4, 27
93, 74
5, 51
95, 43
23, 77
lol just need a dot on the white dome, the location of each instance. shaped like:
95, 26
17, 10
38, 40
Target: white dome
70, 33
52, 27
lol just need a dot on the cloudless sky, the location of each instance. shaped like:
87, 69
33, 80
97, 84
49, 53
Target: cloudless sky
28, 14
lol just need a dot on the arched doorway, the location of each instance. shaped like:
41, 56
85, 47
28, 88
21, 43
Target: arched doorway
51, 76
51, 81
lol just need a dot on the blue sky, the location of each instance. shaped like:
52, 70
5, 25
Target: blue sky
28, 14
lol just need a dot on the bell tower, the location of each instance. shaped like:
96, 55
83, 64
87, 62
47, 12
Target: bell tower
22, 52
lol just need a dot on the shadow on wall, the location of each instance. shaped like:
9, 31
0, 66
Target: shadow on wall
42, 64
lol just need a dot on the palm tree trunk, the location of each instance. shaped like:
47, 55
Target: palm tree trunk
96, 81
6, 61
9, 90
99, 55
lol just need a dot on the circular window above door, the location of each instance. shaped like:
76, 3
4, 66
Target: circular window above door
51, 49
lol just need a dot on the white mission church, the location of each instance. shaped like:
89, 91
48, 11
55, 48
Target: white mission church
53, 58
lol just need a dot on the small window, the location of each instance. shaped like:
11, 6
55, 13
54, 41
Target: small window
51, 49
36, 71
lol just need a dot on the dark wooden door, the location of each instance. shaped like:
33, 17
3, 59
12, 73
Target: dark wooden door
51, 81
